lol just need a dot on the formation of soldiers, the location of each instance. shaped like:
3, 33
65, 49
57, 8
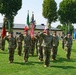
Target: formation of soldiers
46, 45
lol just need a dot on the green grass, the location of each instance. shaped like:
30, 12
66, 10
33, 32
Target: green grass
61, 66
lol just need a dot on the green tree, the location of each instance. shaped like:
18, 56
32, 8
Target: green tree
59, 26
9, 9
64, 28
50, 10
67, 12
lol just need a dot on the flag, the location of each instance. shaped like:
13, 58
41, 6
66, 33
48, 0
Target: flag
32, 26
27, 25
25, 29
3, 34
28, 19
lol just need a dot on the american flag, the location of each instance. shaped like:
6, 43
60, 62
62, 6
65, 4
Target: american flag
32, 27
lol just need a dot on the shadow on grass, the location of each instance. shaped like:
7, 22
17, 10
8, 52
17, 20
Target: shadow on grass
73, 50
65, 67
23, 63
32, 55
63, 59
28, 63
3, 52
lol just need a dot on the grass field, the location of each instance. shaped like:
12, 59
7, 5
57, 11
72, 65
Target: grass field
61, 66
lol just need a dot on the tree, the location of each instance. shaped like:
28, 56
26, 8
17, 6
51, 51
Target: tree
67, 12
9, 9
50, 10
64, 28
59, 26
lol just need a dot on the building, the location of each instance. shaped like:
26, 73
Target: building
19, 28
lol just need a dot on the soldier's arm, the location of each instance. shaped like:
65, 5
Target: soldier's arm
6, 38
42, 34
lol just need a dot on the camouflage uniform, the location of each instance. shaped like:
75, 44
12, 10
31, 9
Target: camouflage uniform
27, 46
32, 46
19, 44
68, 45
39, 47
3, 44
46, 44
11, 46
55, 46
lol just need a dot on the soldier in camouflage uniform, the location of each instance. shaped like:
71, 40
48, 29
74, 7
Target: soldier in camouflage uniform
11, 46
39, 47
19, 43
68, 45
27, 45
55, 45
46, 44
3, 40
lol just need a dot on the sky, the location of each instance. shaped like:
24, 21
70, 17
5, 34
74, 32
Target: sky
33, 6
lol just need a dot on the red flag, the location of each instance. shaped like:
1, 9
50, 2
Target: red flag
3, 31
25, 29
32, 27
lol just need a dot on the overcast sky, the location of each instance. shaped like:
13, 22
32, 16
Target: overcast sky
33, 6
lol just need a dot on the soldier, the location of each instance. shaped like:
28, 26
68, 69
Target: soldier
46, 44
4, 33
68, 45
55, 45
19, 43
27, 45
39, 47
11, 46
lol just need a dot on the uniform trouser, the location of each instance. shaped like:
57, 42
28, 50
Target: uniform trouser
3, 47
63, 44
32, 49
11, 54
19, 50
54, 52
36, 49
26, 53
46, 55
68, 52
40, 53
